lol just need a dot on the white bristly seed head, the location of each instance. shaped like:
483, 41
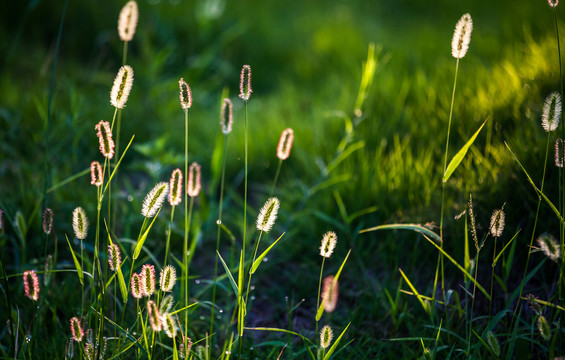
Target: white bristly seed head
462, 36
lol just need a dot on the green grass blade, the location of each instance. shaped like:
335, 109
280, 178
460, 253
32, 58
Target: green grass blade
415, 227
459, 267
144, 236
240, 302
184, 308
77, 263
336, 343
118, 164
424, 304
321, 308
487, 346
260, 258
501, 251
230, 277
454, 163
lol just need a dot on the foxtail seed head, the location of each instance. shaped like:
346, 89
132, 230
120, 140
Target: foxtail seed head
285, 144
461, 36
1, 219
80, 223
76, 329
31, 285
169, 325
330, 293
70, 349
268, 214
114, 257
166, 304
194, 183
245, 83
96, 173
154, 316
48, 269
175, 187
127, 21
185, 95
154, 199
122, 87
148, 274
551, 112
105, 139
227, 116
559, 153
137, 286
184, 351
47, 221
167, 278
549, 246
326, 336
553, 3
543, 328
329, 240
492, 342
497, 223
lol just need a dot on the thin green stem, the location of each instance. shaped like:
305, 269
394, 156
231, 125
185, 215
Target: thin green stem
319, 287
219, 223
276, 177
124, 58
169, 236
473, 304
254, 257
245, 195
186, 265
492, 278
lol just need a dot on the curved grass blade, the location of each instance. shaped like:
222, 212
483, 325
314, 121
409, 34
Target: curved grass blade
415, 227
424, 304
501, 251
454, 163
336, 343
230, 277
77, 263
260, 258
144, 236
321, 308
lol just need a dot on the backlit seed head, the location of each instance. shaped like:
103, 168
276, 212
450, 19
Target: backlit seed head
285, 144
544, 328
549, 246
473, 227
330, 293
114, 257
70, 349
168, 278
31, 285
154, 199
154, 316
166, 304
89, 338
194, 182
184, 351
48, 269
461, 36
76, 329
1, 219
105, 139
329, 240
551, 112
137, 286
227, 116
553, 3
200, 352
268, 214
326, 336
148, 274
169, 325
80, 223
536, 308
96, 173
492, 342
122, 87
559, 153
127, 21
90, 351
497, 223
245, 83
185, 95
47, 221
175, 187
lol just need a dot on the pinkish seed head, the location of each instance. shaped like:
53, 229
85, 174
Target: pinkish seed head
137, 286
148, 274
245, 83
330, 293
122, 87
285, 144
96, 177
31, 285
154, 316
185, 95
114, 257
105, 139
76, 329
175, 187
194, 184
553, 3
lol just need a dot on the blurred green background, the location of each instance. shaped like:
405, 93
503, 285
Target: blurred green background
307, 60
